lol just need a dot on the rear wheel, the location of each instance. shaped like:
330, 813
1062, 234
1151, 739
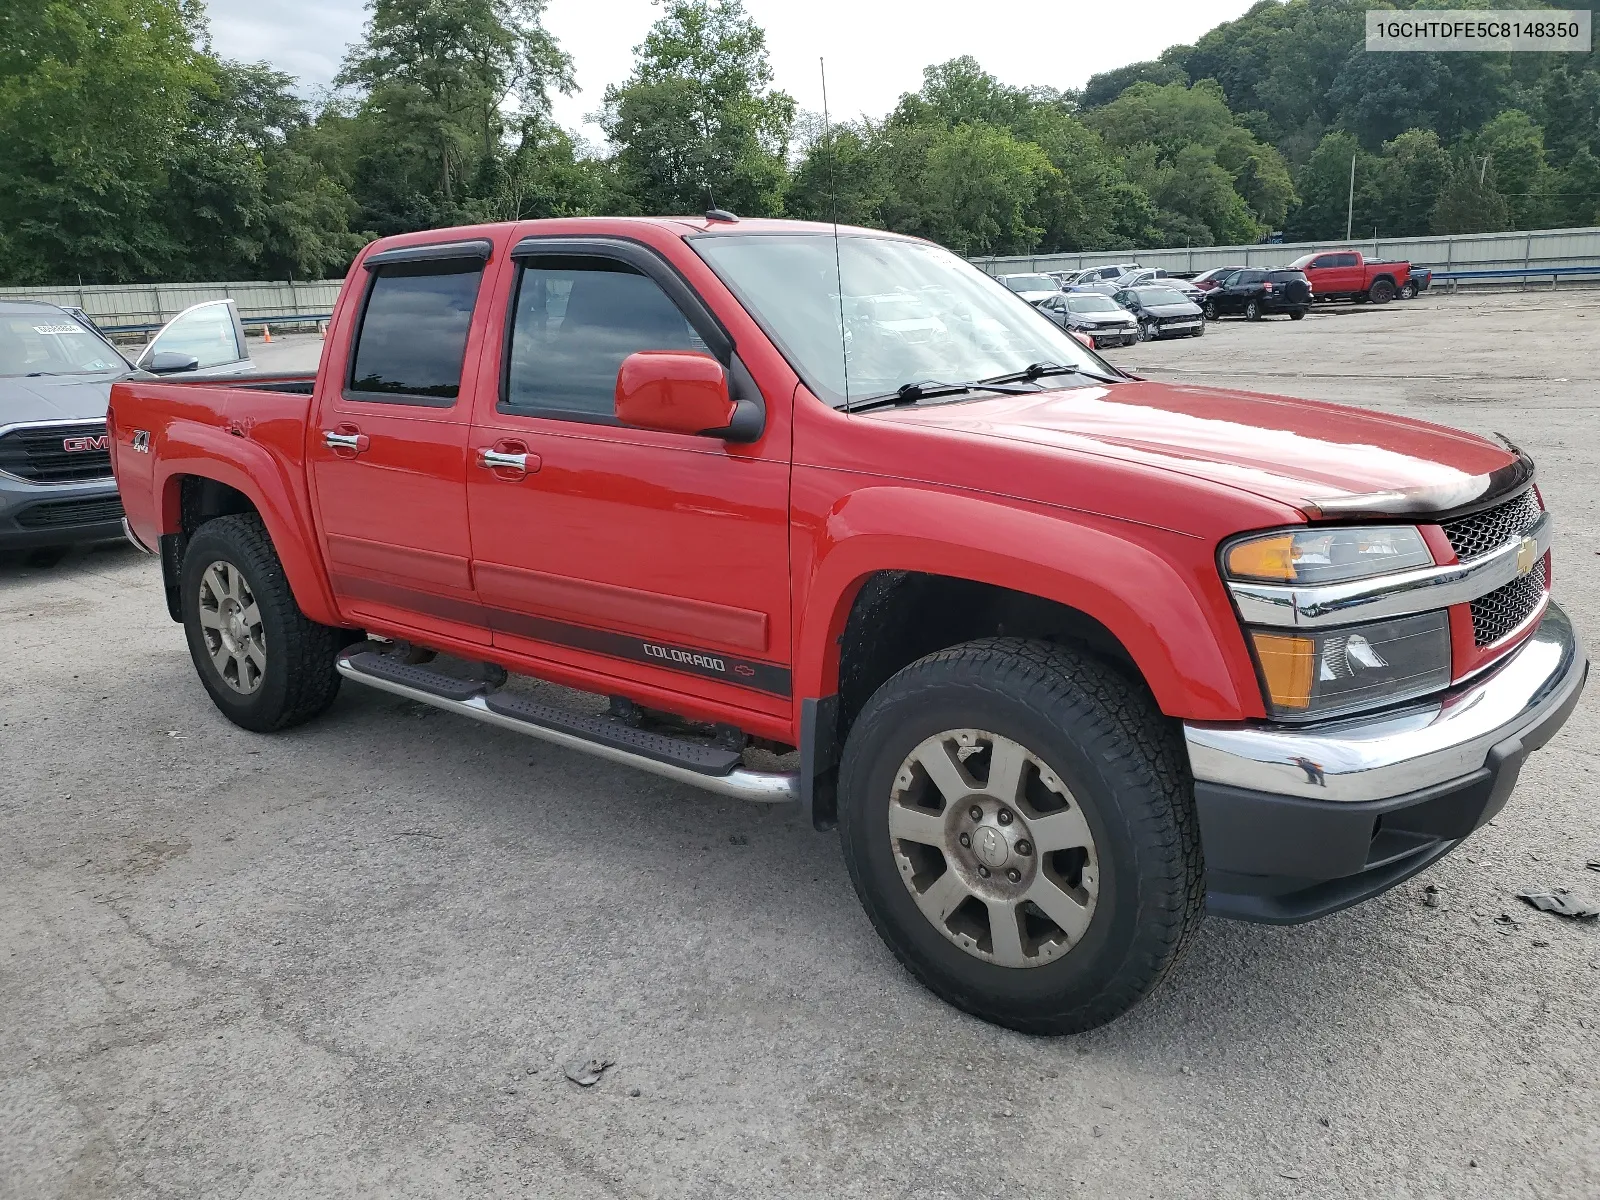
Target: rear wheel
266, 665
1298, 314
1017, 820
1381, 292
1252, 311
1209, 310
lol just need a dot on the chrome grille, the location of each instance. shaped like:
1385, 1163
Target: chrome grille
1474, 536
1502, 610
39, 454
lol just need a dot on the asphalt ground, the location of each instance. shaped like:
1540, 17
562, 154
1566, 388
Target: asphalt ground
352, 959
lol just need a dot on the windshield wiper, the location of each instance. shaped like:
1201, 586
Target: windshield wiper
36, 374
1036, 371
927, 389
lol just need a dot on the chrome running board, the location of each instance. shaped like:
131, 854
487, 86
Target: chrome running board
704, 767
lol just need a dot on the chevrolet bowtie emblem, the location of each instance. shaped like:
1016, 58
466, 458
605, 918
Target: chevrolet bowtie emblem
1526, 554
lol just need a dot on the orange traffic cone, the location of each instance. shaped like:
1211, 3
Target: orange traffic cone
266, 335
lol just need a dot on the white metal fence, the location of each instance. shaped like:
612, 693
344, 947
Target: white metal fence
142, 306
1543, 253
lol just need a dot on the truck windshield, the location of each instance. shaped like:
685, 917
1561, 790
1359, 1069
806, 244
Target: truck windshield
911, 312
50, 342
1029, 283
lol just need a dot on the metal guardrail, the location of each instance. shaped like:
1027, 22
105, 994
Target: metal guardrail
1533, 252
269, 319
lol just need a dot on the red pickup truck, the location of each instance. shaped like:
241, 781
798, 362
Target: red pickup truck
1346, 275
1069, 657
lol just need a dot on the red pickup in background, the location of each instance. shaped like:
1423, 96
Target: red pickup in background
1347, 275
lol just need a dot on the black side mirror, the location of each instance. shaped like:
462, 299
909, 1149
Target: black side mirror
170, 362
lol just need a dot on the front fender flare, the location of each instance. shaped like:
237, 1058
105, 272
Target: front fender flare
1173, 619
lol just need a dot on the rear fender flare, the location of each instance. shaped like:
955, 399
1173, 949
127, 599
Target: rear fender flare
208, 452
1185, 642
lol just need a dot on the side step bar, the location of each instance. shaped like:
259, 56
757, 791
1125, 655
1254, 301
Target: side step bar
720, 771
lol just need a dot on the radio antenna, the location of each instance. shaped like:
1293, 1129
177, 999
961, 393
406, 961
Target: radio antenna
833, 201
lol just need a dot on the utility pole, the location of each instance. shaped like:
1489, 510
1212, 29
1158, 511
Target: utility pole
1350, 208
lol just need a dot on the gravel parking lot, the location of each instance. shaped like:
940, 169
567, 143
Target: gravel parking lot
352, 959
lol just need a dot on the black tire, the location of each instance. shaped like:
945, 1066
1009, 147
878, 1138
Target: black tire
1103, 736
1408, 291
1209, 310
1298, 314
299, 680
1200, 330
1252, 311
1381, 292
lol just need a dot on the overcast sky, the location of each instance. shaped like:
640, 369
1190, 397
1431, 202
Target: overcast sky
875, 49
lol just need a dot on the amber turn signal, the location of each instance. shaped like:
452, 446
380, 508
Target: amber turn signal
1287, 668
1263, 558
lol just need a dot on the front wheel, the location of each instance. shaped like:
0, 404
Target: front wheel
1018, 822
1408, 291
1199, 330
266, 665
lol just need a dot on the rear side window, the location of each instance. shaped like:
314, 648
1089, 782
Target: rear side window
413, 335
1252, 276
1344, 260
576, 319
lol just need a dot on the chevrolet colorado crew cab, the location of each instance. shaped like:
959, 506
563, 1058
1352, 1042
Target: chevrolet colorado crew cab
1069, 657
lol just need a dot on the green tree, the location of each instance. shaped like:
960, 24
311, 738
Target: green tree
1471, 201
1324, 187
1182, 143
93, 97
699, 112
1578, 190
1411, 173
980, 190
1106, 86
441, 83
1515, 145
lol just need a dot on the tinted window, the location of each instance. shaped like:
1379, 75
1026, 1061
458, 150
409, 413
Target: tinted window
1252, 276
413, 335
1286, 277
1344, 260
576, 320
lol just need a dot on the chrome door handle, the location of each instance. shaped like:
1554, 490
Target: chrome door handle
497, 460
344, 441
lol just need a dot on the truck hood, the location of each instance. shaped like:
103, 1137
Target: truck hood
1323, 459
56, 397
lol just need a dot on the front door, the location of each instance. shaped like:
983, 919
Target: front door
388, 451
596, 545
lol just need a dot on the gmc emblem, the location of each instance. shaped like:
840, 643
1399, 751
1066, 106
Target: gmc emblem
78, 445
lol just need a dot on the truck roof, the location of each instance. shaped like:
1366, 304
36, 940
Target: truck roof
621, 226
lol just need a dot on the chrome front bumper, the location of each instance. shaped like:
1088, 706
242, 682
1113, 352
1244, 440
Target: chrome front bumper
1525, 698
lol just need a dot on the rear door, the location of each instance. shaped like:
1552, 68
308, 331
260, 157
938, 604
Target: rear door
610, 545
388, 452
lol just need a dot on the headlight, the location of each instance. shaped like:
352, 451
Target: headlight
1314, 555
1312, 675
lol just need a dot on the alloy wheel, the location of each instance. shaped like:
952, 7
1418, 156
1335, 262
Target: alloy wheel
230, 622
993, 848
